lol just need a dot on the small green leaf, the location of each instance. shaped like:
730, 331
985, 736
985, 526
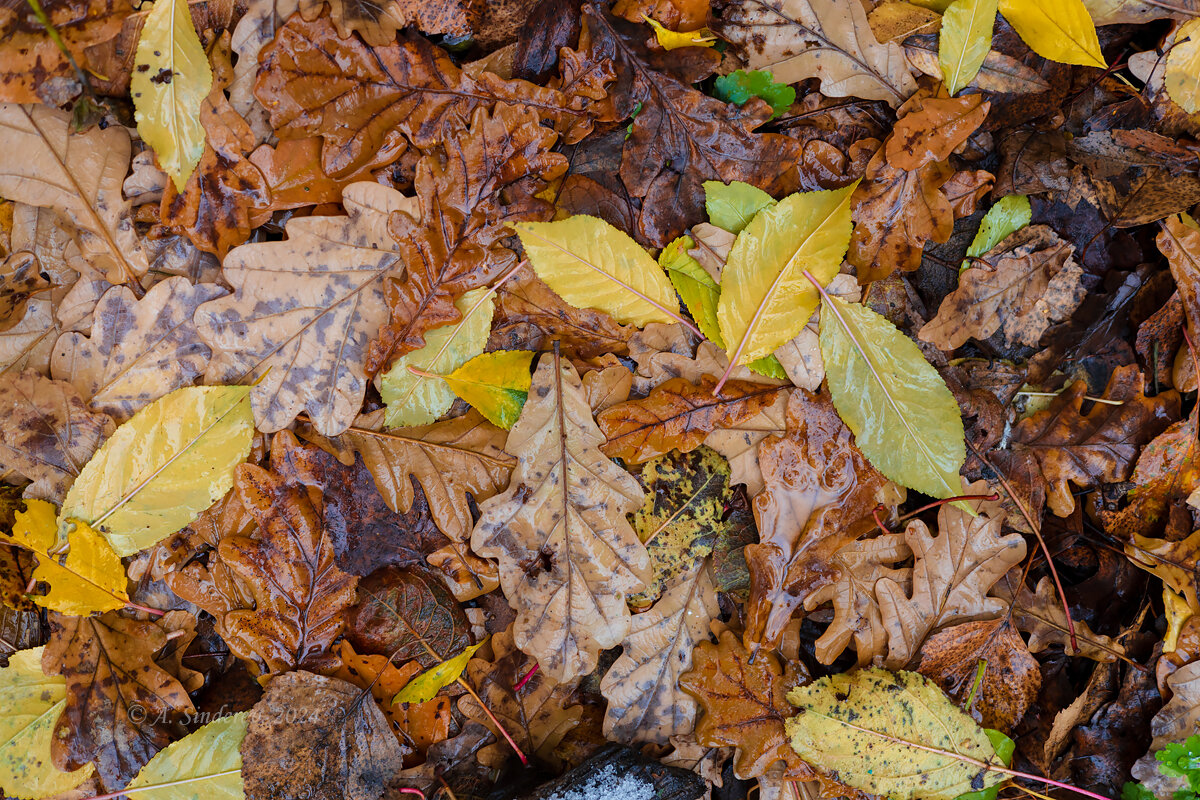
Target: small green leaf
739, 86
433, 680
1005, 747
495, 384
699, 291
768, 367
904, 419
965, 40
731, 206
1009, 215
204, 765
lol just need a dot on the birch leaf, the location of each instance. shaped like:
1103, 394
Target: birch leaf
495, 384
731, 206
765, 297
1060, 30
170, 80
905, 421
159, 470
1183, 67
423, 687
420, 399
204, 765
965, 40
31, 704
591, 264
1009, 215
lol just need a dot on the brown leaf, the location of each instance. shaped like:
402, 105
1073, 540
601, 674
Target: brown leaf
1028, 282
109, 668
292, 170
744, 704
678, 415
1041, 615
739, 443
1180, 243
1099, 446
1166, 474
299, 592
47, 432
999, 72
818, 486
20, 279
567, 555
379, 23
312, 736
1011, 677
932, 129
678, 15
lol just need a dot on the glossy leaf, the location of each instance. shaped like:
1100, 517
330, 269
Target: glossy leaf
964, 41
1060, 30
495, 384
739, 86
670, 40
423, 687
1009, 215
699, 292
731, 206
207, 763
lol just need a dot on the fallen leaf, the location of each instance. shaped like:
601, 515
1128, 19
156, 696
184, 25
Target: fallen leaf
739, 86
378, 24
739, 443
20, 280
1183, 65
208, 759
1010, 214
675, 14
964, 41
1041, 615
495, 384
998, 73
560, 530
1060, 30
731, 206
423, 687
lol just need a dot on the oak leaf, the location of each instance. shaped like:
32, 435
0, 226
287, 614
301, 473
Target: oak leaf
1040, 614
1166, 474
20, 280
740, 443
567, 555
379, 23
1174, 723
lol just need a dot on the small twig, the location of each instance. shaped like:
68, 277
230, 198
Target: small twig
525, 679
1085, 397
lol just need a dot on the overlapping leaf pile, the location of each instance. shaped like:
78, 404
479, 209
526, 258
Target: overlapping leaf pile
413, 397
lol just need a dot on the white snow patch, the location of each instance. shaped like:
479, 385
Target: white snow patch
605, 784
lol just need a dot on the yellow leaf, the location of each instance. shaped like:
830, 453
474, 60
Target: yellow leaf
207, 763
671, 40
765, 297
30, 704
433, 680
904, 419
1060, 30
591, 264
1183, 67
164, 466
965, 40
170, 80
495, 384
89, 580
414, 399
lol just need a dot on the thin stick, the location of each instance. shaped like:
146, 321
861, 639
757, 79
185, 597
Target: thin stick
525, 678
1085, 397
139, 789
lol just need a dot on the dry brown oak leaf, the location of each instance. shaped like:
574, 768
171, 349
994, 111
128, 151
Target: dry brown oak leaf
108, 663
680, 136
818, 486
897, 209
79, 175
567, 554
378, 23
451, 461
20, 280
678, 415
644, 700
47, 433
1011, 677
1040, 614
537, 716
1100, 446
1024, 285
367, 103
315, 737
744, 705
303, 312
289, 566
467, 199
139, 350
952, 574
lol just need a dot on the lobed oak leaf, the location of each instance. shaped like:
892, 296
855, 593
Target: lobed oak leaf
1167, 472
1173, 723
378, 24
1040, 614
108, 663
678, 415
20, 280
567, 555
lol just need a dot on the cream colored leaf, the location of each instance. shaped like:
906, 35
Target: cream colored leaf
304, 311
765, 296
1060, 30
170, 80
420, 399
139, 350
827, 39
204, 765
567, 554
160, 469
591, 264
1120, 12
79, 174
965, 40
30, 704
645, 703
1183, 67
801, 357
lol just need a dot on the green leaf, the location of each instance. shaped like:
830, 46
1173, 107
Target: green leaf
591, 264
964, 41
204, 765
164, 466
418, 399
1181, 760
1060, 30
699, 291
731, 206
433, 680
170, 80
1136, 791
739, 86
765, 296
858, 726
768, 367
30, 704
495, 384
1009, 215
904, 419
1004, 747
